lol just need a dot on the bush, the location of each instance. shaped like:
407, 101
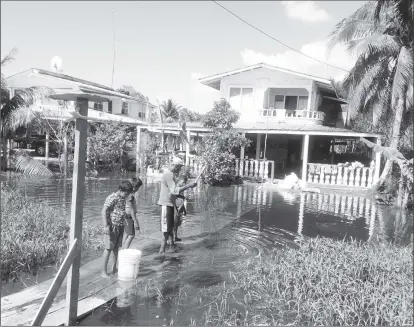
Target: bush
323, 282
34, 234
216, 148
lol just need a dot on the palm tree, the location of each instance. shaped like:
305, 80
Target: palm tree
380, 35
170, 110
15, 113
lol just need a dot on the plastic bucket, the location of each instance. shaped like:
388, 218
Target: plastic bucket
128, 264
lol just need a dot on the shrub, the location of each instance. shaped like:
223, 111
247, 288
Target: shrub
217, 146
35, 234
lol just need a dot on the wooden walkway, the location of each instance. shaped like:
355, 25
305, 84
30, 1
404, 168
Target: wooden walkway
20, 308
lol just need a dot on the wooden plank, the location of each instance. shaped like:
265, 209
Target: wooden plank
78, 193
57, 282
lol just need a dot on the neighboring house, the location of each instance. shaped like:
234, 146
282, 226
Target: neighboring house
302, 116
109, 106
117, 103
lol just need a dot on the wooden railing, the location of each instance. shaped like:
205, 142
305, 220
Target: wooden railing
56, 284
292, 114
245, 168
339, 175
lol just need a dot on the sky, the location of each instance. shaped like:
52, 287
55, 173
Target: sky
164, 47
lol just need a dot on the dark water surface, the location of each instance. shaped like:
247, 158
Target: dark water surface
235, 222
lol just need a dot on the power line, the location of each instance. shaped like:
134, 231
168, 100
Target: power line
274, 39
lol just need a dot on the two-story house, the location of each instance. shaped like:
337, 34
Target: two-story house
294, 121
109, 105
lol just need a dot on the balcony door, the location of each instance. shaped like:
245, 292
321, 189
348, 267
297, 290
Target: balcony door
241, 98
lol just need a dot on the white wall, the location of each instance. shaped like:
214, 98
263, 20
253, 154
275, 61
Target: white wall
261, 79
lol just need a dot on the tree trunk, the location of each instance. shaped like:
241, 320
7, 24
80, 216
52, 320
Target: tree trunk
395, 139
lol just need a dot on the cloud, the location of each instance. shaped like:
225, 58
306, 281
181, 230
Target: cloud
306, 11
295, 61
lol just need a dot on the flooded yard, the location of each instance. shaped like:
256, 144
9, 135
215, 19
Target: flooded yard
227, 225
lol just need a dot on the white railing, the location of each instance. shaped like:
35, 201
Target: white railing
244, 168
292, 114
339, 175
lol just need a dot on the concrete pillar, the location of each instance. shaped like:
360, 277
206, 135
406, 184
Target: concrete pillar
65, 155
258, 145
305, 155
242, 148
377, 163
187, 149
47, 146
138, 150
88, 131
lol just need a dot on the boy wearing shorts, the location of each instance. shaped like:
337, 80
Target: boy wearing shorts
113, 218
131, 220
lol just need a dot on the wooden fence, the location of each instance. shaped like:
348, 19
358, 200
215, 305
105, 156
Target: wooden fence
339, 175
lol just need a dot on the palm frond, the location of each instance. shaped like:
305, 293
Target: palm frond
4, 61
385, 44
403, 76
25, 99
29, 166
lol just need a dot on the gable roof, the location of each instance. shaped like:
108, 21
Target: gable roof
83, 84
214, 80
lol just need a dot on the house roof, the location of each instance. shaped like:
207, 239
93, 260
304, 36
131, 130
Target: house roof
276, 128
214, 80
84, 84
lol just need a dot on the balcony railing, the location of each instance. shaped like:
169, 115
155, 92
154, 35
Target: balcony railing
282, 114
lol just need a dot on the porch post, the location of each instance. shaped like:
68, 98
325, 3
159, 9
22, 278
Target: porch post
305, 151
333, 152
187, 149
241, 168
47, 146
65, 155
138, 150
377, 163
258, 145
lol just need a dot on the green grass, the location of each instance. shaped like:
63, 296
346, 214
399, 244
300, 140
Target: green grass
35, 234
324, 282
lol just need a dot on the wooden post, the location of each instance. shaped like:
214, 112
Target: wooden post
258, 145
138, 150
333, 152
305, 151
377, 163
187, 149
47, 146
78, 193
57, 282
88, 131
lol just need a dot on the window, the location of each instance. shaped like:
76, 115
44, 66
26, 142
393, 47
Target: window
303, 103
279, 102
241, 98
291, 102
110, 107
125, 108
98, 106
139, 115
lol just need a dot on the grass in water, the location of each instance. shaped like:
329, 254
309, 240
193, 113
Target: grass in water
35, 234
324, 282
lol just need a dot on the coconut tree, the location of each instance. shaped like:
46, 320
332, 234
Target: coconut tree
15, 113
170, 110
379, 35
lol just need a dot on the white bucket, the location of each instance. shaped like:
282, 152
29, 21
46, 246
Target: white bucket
128, 264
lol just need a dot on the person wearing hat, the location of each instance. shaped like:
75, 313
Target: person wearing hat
168, 194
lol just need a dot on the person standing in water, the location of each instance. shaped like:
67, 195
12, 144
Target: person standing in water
113, 218
168, 194
131, 220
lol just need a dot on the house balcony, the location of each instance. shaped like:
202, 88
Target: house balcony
293, 116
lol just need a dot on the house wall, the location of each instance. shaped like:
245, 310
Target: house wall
262, 79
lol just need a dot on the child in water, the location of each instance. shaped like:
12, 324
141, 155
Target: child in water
181, 211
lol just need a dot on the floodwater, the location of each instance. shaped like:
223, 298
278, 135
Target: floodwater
226, 224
